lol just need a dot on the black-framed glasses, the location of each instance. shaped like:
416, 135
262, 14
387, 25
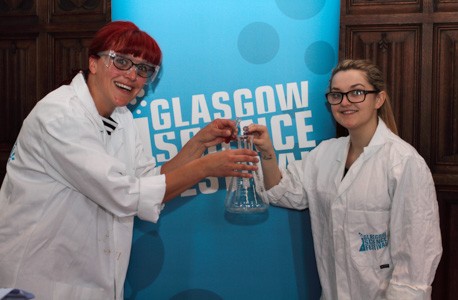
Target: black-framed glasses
354, 96
123, 63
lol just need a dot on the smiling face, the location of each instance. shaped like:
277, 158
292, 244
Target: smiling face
111, 87
355, 116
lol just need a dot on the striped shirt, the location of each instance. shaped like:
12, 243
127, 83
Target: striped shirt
110, 124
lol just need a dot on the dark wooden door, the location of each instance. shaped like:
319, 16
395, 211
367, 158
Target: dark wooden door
416, 44
41, 42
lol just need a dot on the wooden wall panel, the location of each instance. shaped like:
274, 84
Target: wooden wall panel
445, 109
18, 11
382, 6
71, 50
396, 50
72, 11
446, 5
445, 284
41, 42
18, 57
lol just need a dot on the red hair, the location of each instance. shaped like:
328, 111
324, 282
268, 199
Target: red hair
122, 37
126, 38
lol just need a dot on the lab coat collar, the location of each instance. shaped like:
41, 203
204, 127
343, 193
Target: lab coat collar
376, 143
117, 137
82, 91
342, 155
83, 94
377, 140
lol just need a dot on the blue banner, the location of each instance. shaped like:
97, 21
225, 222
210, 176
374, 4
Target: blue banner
267, 62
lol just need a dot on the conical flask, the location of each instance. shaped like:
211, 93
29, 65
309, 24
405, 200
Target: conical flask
246, 195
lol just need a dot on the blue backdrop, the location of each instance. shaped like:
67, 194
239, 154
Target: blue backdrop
266, 61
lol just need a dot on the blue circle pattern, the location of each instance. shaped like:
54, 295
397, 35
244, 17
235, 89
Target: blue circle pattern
259, 42
147, 270
300, 9
196, 294
319, 57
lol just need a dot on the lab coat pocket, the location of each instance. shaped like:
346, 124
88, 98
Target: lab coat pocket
69, 291
368, 234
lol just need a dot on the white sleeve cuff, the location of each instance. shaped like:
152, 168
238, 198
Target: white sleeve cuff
288, 193
278, 191
152, 191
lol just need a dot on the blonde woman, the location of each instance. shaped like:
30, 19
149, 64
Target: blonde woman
371, 196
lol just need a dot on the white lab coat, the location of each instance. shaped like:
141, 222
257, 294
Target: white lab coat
376, 231
69, 197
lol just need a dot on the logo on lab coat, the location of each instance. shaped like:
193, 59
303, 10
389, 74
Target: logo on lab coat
13, 153
373, 241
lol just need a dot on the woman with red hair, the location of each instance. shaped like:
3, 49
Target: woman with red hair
78, 175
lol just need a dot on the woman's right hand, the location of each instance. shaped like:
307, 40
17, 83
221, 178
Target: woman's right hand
225, 163
228, 163
263, 143
261, 140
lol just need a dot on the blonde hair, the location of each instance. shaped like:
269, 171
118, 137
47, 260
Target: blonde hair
375, 77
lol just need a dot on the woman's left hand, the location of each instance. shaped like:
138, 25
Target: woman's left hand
217, 132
